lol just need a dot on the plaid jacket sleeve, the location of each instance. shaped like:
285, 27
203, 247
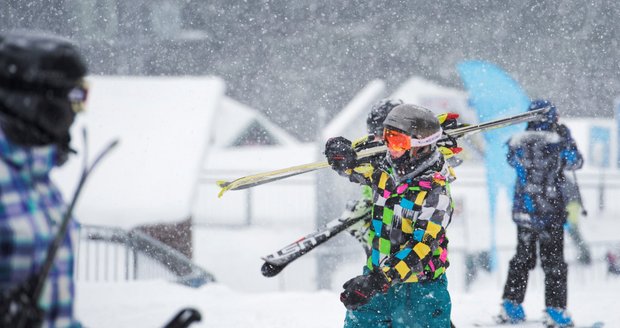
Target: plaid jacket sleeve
31, 209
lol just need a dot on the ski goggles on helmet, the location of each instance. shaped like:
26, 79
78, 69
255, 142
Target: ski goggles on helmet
399, 141
77, 96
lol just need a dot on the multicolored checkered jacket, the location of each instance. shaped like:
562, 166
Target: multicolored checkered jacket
410, 214
360, 230
31, 209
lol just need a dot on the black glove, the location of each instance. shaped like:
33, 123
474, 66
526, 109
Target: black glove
566, 140
339, 154
359, 290
449, 121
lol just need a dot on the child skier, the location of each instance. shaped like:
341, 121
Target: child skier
404, 282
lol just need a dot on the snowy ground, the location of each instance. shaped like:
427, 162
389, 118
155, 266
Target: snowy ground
243, 298
152, 303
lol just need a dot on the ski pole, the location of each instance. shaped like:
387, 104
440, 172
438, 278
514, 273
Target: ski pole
584, 212
184, 318
23, 310
51, 254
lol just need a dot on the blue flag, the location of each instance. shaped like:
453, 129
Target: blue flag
494, 94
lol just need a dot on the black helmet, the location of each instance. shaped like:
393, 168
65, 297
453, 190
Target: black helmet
378, 113
40, 87
416, 121
33, 59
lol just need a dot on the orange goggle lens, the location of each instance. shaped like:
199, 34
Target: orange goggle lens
396, 140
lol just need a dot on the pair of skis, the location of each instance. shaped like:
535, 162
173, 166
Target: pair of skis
534, 323
355, 212
271, 176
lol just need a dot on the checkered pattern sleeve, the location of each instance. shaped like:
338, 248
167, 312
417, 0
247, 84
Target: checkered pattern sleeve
31, 209
424, 253
366, 167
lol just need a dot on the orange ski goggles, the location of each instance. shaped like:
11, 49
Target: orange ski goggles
399, 141
396, 141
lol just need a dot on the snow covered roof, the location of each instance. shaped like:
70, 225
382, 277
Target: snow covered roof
235, 120
163, 125
439, 99
351, 120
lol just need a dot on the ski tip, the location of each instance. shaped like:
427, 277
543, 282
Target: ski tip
219, 195
270, 270
224, 185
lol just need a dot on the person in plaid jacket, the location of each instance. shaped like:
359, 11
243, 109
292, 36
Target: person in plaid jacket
40, 93
404, 282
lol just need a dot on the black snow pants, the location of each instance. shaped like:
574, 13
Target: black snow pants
551, 243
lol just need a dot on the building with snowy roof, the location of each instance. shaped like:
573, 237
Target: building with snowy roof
166, 126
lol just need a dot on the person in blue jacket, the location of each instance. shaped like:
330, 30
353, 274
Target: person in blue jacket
540, 155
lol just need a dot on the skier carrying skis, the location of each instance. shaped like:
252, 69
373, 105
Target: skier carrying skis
540, 155
374, 126
404, 282
41, 91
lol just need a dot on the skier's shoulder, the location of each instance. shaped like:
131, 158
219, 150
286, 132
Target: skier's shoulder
435, 179
528, 138
439, 171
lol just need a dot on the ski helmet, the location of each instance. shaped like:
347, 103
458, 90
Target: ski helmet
41, 87
378, 113
546, 122
31, 59
411, 127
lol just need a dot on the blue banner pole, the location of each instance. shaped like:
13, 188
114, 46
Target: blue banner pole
494, 94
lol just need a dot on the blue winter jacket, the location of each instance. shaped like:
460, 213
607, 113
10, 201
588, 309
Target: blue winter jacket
540, 158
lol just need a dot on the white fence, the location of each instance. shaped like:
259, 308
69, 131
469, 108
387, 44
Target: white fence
104, 254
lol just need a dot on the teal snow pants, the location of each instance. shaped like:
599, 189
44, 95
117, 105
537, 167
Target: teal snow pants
407, 305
